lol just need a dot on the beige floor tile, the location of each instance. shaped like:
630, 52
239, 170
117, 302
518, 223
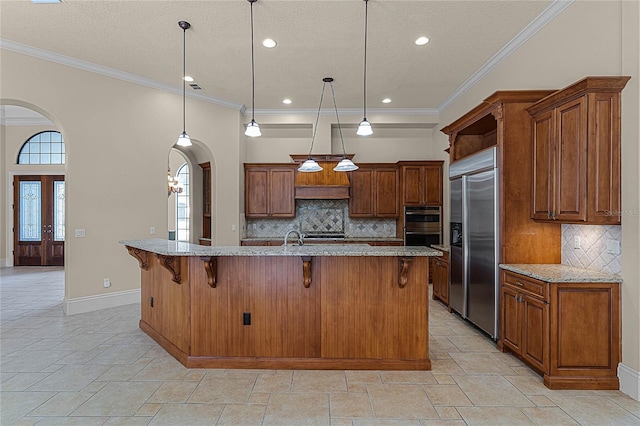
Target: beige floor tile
448, 366
335, 421
221, 390
297, 409
493, 416
444, 379
148, 410
363, 376
448, 413
128, 421
386, 422
407, 377
187, 414
501, 391
119, 373
121, 354
319, 381
400, 402
481, 363
529, 385
259, 398
594, 410
62, 404
70, 378
357, 387
245, 415
18, 404
276, 381
74, 421
28, 421
548, 416
449, 395
95, 386
541, 401
118, 399
195, 375
355, 405
627, 403
473, 343
167, 368
31, 361
21, 381
173, 392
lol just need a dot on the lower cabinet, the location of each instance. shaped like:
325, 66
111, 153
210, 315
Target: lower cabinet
440, 278
569, 332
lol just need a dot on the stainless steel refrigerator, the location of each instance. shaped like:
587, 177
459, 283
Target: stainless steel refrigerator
473, 290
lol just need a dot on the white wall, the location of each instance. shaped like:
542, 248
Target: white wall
118, 136
588, 38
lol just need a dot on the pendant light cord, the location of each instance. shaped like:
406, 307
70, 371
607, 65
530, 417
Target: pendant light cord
366, 20
184, 82
335, 107
253, 78
315, 128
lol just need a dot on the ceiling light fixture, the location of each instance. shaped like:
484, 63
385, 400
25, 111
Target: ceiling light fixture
188, 78
364, 128
253, 129
310, 165
386, 101
286, 101
184, 139
421, 41
269, 43
345, 165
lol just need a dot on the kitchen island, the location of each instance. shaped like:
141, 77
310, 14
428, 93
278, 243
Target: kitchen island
309, 307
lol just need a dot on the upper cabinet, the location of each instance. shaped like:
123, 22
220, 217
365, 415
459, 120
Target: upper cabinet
421, 183
269, 190
374, 191
576, 153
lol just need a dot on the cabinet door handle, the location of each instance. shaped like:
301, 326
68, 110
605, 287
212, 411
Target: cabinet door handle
518, 283
516, 297
548, 214
553, 216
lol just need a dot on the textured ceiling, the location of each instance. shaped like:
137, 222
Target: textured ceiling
315, 39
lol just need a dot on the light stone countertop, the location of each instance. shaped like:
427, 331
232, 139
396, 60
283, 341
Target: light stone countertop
441, 247
178, 248
557, 273
314, 239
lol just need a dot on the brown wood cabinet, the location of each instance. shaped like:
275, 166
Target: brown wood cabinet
440, 278
576, 153
569, 332
206, 202
503, 121
268, 190
374, 191
421, 183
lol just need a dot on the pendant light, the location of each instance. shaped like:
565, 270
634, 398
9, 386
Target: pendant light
184, 139
364, 128
345, 165
253, 129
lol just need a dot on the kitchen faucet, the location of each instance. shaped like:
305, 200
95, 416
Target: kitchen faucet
300, 237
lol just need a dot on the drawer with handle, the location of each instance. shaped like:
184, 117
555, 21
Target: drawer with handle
530, 285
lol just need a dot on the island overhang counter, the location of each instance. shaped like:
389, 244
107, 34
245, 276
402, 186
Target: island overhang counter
297, 307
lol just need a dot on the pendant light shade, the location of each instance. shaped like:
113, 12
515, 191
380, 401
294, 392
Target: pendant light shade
310, 166
253, 129
365, 129
345, 165
184, 139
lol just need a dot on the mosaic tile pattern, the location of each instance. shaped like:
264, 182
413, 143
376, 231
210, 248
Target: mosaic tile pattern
592, 253
322, 216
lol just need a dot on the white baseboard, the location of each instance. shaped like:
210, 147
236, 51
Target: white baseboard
81, 305
629, 381
6, 262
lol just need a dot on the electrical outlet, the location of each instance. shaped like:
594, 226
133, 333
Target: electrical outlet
246, 318
576, 242
152, 230
80, 233
234, 227
106, 283
613, 247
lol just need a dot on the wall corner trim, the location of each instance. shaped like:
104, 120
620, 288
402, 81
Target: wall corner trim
82, 305
629, 381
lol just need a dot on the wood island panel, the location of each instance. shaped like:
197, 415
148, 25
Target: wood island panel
358, 312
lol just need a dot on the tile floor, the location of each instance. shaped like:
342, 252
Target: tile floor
100, 369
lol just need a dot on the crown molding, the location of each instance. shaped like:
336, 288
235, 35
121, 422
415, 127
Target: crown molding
349, 111
109, 72
547, 15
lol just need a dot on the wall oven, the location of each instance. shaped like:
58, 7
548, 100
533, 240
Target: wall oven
422, 225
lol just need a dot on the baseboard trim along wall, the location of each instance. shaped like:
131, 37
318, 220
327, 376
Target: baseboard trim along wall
81, 305
629, 381
6, 262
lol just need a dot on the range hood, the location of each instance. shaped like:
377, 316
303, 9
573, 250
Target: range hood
326, 184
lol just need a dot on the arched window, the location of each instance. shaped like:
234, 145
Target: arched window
182, 204
43, 148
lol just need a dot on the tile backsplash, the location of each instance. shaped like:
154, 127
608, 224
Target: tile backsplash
594, 252
322, 216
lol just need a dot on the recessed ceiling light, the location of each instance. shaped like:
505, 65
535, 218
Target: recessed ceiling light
286, 101
269, 43
421, 41
386, 100
188, 78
